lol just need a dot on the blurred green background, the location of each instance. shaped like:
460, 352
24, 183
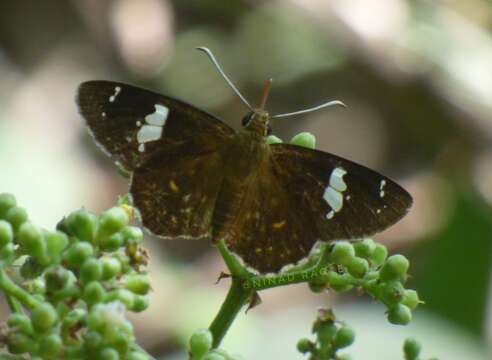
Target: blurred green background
417, 79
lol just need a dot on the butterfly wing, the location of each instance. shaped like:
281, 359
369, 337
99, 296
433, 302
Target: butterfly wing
303, 196
175, 192
347, 200
173, 149
132, 124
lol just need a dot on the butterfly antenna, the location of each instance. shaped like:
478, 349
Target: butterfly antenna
215, 62
266, 91
316, 108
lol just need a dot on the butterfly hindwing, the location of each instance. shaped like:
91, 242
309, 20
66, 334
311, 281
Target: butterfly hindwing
175, 192
132, 124
260, 221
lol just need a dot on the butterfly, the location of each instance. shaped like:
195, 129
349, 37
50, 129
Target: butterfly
193, 176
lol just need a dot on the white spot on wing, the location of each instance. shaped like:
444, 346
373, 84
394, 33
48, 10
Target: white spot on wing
117, 90
381, 188
158, 117
152, 129
333, 198
333, 194
336, 179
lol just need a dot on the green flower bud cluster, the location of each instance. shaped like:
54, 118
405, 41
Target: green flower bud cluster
12, 217
200, 348
366, 265
77, 284
331, 336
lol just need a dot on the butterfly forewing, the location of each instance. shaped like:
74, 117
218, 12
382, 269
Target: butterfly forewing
345, 199
173, 149
132, 124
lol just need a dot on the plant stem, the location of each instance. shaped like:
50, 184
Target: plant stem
234, 301
13, 290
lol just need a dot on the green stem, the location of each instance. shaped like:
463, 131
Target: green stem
14, 305
236, 298
13, 290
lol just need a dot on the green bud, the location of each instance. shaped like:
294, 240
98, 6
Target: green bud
124, 261
36, 286
19, 343
339, 282
77, 254
134, 355
138, 284
6, 233
16, 216
112, 221
7, 254
132, 234
109, 320
56, 242
94, 293
391, 292
395, 268
358, 267
112, 242
342, 253
44, 317
20, 323
31, 268
108, 354
304, 139
32, 242
57, 278
304, 345
121, 342
411, 299
73, 318
411, 349
364, 248
93, 340
124, 296
91, 270
140, 303
379, 254
82, 224
399, 314
344, 337
200, 343
7, 201
272, 139
317, 286
110, 267
50, 346
326, 331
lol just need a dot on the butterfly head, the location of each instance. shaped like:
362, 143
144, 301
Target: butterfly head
257, 121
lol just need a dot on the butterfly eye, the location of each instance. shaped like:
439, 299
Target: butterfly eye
245, 121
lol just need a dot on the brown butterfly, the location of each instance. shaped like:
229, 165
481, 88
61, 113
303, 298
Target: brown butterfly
194, 177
